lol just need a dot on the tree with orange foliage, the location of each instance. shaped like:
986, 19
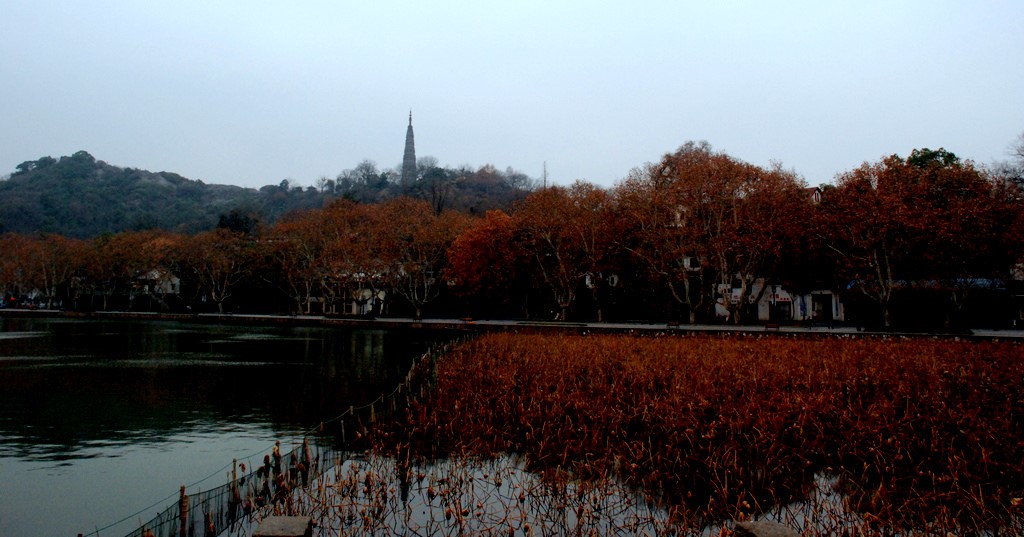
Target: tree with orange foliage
218, 260
413, 241
769, 226
925, 221
568, 230
57, 259
699, 216
296, 247
111, 264
651, 207
486, 262
47, 263
351, 264
15, 266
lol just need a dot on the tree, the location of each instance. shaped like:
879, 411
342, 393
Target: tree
328, 254
436, 186
218, 260
973, 219
589, 218
413, 244
324, 184
57, 259
927, 221
519, 183
15, 265
1013, 169
295, 245
30, 165
112, 263
425, 164
652, 208
698, 213
352, 264
768, 229
567, 230
364, 183
1017, 149
486, 262
239, 221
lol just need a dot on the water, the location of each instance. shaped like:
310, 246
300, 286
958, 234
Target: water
100, 420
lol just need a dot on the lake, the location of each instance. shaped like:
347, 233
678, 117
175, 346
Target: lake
103, 420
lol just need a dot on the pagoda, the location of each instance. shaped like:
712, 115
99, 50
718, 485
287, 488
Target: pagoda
409, 159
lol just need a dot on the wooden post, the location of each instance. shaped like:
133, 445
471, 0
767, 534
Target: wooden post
183, 523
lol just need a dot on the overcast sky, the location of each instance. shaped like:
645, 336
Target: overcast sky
253, 92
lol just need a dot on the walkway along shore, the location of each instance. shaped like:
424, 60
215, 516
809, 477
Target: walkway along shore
488, 325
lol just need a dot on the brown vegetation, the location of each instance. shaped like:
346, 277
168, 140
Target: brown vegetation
919, 435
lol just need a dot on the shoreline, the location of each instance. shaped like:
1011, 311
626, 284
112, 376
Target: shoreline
502, 325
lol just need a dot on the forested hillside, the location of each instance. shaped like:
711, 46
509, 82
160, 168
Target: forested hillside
81, 197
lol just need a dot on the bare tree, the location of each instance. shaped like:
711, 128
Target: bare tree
1011, 171
1017, 149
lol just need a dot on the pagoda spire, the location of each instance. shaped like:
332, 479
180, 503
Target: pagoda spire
409, 159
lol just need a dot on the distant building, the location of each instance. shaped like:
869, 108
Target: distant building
157, 281
778, 304
409, 159
814, 193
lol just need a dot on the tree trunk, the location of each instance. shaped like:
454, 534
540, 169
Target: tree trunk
685, 299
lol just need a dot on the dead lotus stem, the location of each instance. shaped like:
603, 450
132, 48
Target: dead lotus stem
735, 427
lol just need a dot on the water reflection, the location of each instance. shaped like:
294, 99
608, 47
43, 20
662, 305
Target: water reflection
109, 416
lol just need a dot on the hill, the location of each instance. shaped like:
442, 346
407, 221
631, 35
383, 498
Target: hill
79, 196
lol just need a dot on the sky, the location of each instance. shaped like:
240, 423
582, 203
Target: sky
253, 92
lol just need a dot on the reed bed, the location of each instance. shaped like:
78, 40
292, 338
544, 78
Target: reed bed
829, 435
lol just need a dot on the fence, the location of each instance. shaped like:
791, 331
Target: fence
224, 508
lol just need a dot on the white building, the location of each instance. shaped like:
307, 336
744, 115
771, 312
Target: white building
777, 304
